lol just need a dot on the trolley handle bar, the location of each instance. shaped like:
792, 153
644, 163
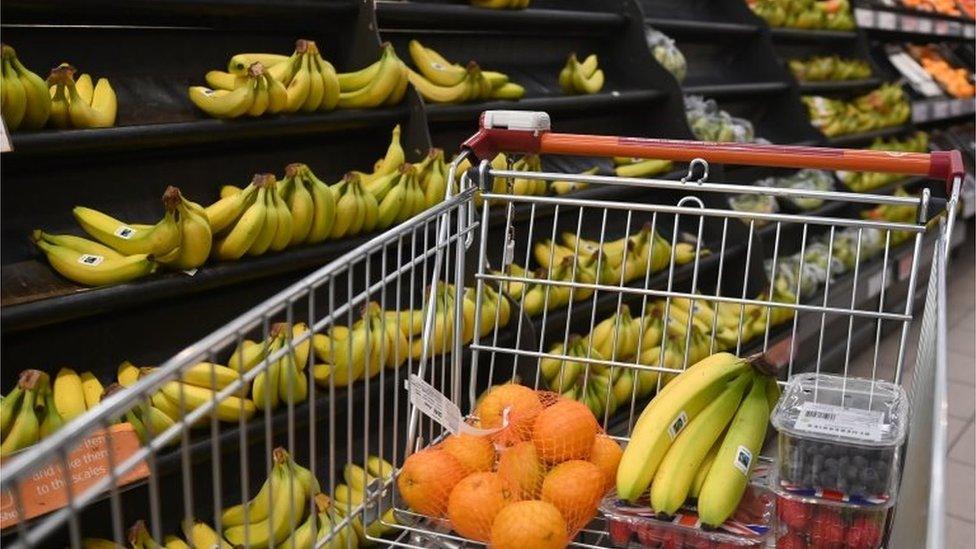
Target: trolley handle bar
492, 139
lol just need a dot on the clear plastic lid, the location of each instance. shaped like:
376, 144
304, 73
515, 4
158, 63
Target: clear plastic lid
854, 411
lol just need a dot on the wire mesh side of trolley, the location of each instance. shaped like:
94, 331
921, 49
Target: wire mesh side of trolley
556, 247
219, 454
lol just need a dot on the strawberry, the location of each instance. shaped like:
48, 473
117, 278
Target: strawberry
796, 514
827, 530
673, 540
791, 541
619, 532
863, 534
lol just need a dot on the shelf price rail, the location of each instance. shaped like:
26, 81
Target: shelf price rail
425, 264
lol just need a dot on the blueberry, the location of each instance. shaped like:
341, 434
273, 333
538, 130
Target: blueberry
828, 478
869, 476
831, 464
859, 490
860, 461
852, 472
841, 484
843, 462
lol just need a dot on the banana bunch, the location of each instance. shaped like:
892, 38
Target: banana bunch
20, 425
76, 104
265, 83
566, 187
627, 259
639, 167
351, 353
399, 195
194, 388
591, 384
26, 103
501, 4
282, 380
578, 78
384, 83
323, 522
359, 482
719, 406
276, 513
441, 81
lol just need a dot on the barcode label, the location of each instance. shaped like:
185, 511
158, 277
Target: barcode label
827, 419
124, 232
941, 27
438, 407
925, 25
90, 259
969, 31
678, 425
887, 20
865, 18
920, 111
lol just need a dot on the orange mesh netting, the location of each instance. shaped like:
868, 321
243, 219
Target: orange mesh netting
548, 458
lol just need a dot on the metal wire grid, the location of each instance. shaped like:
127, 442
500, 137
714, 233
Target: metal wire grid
335, 426
430, 249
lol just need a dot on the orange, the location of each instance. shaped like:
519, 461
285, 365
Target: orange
575, 488
564, 431
519, 467
606, 455
520, 403
474, 502
475, 453
530, 524
426, 480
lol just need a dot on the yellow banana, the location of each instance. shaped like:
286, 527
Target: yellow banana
285, 227
76, 243
69, 397
289, 499
379, 89
222, 213
664, 418
323, 204
220, 80
196, 238
248, 227
96, 270
209, 375
14, 104
200, 535
240, 63
37, 99
24, 429
316, 89
438, 73
92, 389
330, 82
191, 397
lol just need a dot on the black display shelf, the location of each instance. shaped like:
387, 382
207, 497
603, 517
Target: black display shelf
810, 35
864, 138
899, 22
249, 13
838, 86
200, 132
687, 26
750, 89
456, 17
34, 295
550, 104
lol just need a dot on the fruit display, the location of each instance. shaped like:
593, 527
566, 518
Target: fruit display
289, 510
805, 14
441, 81
812, 522
78, 104
534, 482
829, 67
581, 78
666, 53
840, 434
501, 4
265, 83
268, 215
866, 181
640, 167
700, 438
751, 525
591, 262
956, 81
886, 106
813, 180
709, 123
26, 101
942, 7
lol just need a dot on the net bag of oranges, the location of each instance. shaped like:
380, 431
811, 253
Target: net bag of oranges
533, 483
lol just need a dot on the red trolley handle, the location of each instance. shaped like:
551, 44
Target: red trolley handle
489, 141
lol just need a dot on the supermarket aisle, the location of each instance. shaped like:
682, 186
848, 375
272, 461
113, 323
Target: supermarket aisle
961, 465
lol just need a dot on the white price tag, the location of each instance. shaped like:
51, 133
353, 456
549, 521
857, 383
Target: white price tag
438, 407
941, 27
905, 267
875, 283
827, 419
940, 109
5, 145
969, 31
864, 17
925, 25
909, 23
190, 272
920, 111
955, 28
956, 107
968, 193
887, 20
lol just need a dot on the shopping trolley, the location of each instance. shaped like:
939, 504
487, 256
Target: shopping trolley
486, 245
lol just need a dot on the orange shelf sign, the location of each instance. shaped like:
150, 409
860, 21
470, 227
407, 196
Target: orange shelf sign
88, 463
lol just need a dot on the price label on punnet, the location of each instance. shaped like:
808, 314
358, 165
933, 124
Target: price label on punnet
46, 489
